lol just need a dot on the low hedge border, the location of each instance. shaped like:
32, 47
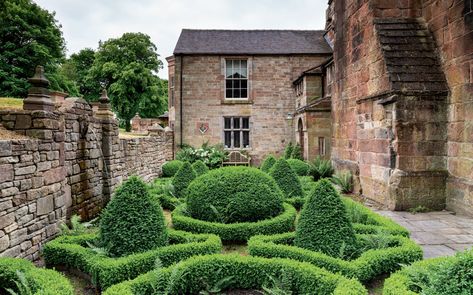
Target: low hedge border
41, 281
72, 252
367, 266
246, 272
236, 231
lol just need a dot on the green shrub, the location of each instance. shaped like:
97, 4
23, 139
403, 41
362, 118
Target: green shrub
376, 257
212, 156
200, 168
235, 231
268, 162
286, 179
19, 274
194, 275
132, 221
323, 225
288, 150
73, 252
182, 179
439, 276
344, 180
234, 194
297, 152
170, 168
300, 167
321, 168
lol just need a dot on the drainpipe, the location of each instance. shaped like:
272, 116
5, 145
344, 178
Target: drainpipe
180, 101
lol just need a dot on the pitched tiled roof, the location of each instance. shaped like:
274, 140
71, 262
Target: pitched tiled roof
251, 42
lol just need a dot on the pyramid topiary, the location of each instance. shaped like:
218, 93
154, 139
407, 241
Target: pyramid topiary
170, 168
200, 168
300, 167
288, 150
324, 225
297, 152
268, 162
132, 221
286, 179
182, 178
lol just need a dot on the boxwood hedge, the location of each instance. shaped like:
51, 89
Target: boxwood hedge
441, 276
235, 231
300, 167
199, 167
182, 179
170, 168
369, 264
40, 281
286, 179
74, 252
268, 162
240, 272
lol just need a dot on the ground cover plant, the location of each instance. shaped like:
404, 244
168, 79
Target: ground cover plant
437, 276
195, 275
22, 277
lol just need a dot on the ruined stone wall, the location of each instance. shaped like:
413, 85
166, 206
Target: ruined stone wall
271, 98
69, 162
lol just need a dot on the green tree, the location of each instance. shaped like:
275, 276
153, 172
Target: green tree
127, 67
29, 36
156, 104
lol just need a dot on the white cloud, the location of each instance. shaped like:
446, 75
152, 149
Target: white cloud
85, 22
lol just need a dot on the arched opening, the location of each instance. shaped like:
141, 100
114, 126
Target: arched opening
300, 130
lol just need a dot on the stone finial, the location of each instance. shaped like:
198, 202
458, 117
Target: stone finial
38, 94
104, 97
104, 109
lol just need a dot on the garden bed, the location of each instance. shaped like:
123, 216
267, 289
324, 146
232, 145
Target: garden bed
241, 231
200, 273
74, 253
397, 250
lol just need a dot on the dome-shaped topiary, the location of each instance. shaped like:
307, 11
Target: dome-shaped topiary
286, 179
300, 167
170, 168
182, 178
200, 167
234, 194
132, 221
268, 162
324, 225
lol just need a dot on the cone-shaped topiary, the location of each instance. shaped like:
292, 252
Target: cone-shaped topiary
324, 225
132, 221
170, 168
297, 152
200, 168
300, 167
286, 179
268, 162
182, 178
234, 194
288, 150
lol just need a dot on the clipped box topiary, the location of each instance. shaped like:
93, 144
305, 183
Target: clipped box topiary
38, 281
286, 179
132, 221
324, 225
268, 162
198, 275
234, 194
182, 179
300, 167
200, 168
170, 168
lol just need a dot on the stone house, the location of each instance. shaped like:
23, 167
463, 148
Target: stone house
235, 87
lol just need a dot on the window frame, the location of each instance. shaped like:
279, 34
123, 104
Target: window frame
232, 130
247, 79
322, 146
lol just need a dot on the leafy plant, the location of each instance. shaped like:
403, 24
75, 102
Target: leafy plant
268, 162
182, 179
418, 209
321, 168
286, 179
219, 286
288, 150
344, 180
22, 286
278, 286
212, 156
76, 227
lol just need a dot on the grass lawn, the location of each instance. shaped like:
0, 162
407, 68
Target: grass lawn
10, 103
124, 134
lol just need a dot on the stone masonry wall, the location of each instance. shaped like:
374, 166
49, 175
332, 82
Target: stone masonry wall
69, 163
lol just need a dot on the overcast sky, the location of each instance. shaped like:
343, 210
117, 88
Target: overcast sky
85, 22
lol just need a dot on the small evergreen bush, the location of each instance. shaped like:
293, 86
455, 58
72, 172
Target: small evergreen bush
286, 179
234, 194
200, 168
300, 167
170, 168
268, 162
321, 168
132, 221
324, 225
288, 150
297, 152
182, 179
